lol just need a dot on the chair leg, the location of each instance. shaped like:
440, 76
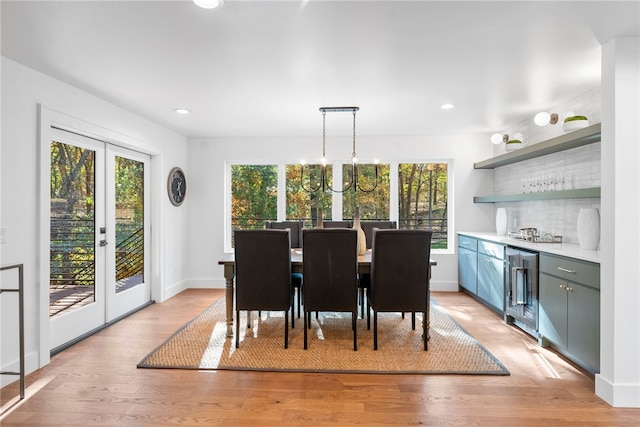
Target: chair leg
354, 317
368, 311
306, 316
425, 331
375, 329
293, 314
249, 318
237, 328
413, 320
286, 328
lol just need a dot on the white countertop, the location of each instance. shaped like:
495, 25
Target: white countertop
562, 249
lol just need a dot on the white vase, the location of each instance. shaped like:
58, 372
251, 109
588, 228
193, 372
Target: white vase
589, 228
362, 239
501, 221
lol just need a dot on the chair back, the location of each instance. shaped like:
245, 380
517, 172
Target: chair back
337, 224
400, 270
368, 226
330, 268
295, 230
262, 269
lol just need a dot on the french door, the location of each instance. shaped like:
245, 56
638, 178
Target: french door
99, 234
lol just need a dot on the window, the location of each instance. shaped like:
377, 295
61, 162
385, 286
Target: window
374, 205
303, 205
254, 195
423, 199
413, 194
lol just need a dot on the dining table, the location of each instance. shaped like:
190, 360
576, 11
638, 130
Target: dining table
228, 262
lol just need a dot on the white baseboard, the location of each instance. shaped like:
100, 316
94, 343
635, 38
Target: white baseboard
618, 395
30, 365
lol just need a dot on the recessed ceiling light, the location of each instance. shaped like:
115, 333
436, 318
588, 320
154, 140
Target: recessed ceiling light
447, 106
208, 4
181, 110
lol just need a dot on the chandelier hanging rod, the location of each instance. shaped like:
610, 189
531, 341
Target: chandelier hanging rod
338, 109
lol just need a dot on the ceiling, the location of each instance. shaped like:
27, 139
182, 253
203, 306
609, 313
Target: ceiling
263, 68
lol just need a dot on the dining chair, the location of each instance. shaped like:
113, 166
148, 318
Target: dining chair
337, 224
297, 280
263, 274
330, 268
364, 279
400, 276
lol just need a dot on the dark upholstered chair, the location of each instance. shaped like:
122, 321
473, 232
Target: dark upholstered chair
400, 276
365, 279
337, 224
295, 228
330, 268
263, 274
368, 226
295, 233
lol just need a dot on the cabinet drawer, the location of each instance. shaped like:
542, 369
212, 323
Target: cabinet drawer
495, 250
468, 242
587, 273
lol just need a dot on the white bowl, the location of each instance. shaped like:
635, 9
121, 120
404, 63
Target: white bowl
574, 125
513, 146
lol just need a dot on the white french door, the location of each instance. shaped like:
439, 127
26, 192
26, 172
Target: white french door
99, 234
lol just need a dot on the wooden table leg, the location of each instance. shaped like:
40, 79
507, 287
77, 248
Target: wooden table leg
228, 275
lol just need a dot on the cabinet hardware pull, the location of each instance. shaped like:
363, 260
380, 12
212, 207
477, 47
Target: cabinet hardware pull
562, 286
566, 270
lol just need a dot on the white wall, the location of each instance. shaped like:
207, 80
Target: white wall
23, 89
207, 159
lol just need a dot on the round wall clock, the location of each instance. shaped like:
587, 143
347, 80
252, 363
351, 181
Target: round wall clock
177, 186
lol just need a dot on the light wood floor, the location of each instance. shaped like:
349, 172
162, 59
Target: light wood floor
96, 383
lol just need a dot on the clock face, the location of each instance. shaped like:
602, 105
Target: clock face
177, 186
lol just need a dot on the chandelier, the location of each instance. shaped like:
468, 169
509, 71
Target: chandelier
322, 182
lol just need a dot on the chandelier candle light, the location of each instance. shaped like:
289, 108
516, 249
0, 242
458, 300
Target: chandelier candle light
323, 182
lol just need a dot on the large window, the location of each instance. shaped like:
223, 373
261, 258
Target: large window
415, 195
254, 195
423, 199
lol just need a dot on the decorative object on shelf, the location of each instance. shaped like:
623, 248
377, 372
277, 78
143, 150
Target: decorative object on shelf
589, 228
575, 122
501, 221
319, 223
323, 182
513, 144
543, 118
176, 186
362, 239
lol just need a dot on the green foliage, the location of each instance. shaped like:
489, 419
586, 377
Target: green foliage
254, 195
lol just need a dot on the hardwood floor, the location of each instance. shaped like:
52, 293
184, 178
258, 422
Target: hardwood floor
96, 383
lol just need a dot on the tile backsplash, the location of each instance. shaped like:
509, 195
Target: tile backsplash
570, 169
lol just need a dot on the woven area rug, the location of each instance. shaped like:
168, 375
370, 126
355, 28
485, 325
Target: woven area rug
201, 344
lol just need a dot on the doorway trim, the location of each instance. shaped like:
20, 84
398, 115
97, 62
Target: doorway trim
48, 118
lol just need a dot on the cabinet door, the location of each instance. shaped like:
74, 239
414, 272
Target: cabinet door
491, 281
584, 324
553, 309
467, 269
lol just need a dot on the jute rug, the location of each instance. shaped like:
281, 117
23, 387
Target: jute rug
201, 344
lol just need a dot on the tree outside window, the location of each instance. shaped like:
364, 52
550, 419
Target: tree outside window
304, 205
423, 199
374, 205
254, 195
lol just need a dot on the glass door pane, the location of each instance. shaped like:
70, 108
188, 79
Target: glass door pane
129, 223
73, 224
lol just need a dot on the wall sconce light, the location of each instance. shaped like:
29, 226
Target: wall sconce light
543, 118
497, 138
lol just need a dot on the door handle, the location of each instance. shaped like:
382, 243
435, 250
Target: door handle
103, 243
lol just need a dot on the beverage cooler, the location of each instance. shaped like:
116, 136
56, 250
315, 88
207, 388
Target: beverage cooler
521, 296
